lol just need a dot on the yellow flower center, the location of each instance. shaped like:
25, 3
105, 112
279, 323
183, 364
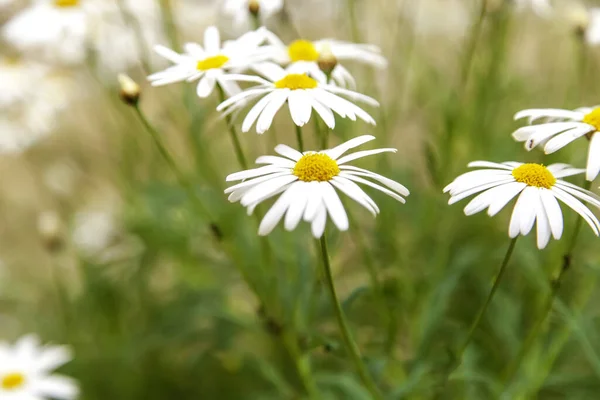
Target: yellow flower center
12, 381
316, 167
593, 118
534, 175
295, 82
66, 3
302, 50
212, 62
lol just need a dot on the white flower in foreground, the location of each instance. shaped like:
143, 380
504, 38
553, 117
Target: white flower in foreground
306, 54
53, 29
539, 189
210, 63
243, 11
561, 127
26, 371
302, 94
308, 184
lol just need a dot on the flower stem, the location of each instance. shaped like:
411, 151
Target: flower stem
473, 41
237, 146
135, 26
181, 178
555, 284
299, 139
351, 345
169, 24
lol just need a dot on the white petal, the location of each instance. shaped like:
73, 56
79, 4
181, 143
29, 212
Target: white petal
300, 108
324, 112
353, 95
265, 189
364, 153
476, 189
212, 40
354, 191
373, 185
337, 151
195, 50
543, 224
236, 190
297, 206
266, 117
169, 54
564, 139
334, 205
288, 152
315, 201
58, 387
255, 111
273, 216
251, 173
275, 160
578, 207
554, 213
593, 163
508, 192
53, 357
487, 164
401, 189
241, 96
319, 221
530, 201
536, 113
515, 218
205, 86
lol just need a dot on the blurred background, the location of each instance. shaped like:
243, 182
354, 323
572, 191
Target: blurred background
101, 249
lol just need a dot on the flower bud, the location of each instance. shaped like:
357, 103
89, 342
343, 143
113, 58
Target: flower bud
130, 90
254, 7
327, 61
50, 230
579, 18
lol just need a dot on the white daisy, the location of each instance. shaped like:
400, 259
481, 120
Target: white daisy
52, 29
590, 21
306, 54
243, 11
308, 183
25, 371
211, 63
561, 127
302, 94
539, 189
18, 80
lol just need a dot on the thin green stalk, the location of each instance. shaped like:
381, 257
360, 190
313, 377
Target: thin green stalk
181, 178
299, 139
351, 345
237, 146
512, 368
473, 41
302, 364
134, 24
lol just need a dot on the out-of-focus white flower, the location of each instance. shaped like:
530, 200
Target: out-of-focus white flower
18, 80
94, 231
305, 54
26, 371
302, 94
244, 11
50, 29
211, 63
61, 178
540, 7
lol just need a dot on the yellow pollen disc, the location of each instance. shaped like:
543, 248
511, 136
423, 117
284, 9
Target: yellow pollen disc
593, 118
12, 381
316, 167
302, 50
212, 62
534, 175
66, 3
295, 82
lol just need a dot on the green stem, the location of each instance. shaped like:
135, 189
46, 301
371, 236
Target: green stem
299, 139
181, 178
169, 24
512, 368
351, 345
237, 146
474, 36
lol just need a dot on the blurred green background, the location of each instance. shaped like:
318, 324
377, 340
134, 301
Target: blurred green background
102, 250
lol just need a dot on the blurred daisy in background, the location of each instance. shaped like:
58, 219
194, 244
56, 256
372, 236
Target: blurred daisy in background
559, 128
245, 12
302, 94
306, 54
308, 182
209, 64
26, 371
18, 79
538, 188
540, 7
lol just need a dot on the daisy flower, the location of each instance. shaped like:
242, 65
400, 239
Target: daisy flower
307, 183
306, 54
25, 371
18, 80
302, 94
540, 7
56, 29
538, 188
209, 64
561, 127
244, 11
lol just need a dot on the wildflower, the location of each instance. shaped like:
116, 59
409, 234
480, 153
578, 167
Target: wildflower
540, 7
244, 11
25, 371
308, 183
209, 64
561, 127
305, 55
130, 90
302, 94
538, 188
